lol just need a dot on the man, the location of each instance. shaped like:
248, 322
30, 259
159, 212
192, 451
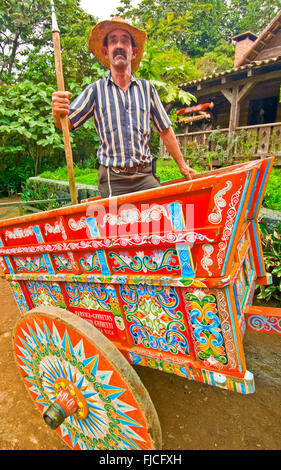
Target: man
122, 107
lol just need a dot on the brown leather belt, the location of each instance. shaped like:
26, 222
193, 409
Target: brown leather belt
136, 169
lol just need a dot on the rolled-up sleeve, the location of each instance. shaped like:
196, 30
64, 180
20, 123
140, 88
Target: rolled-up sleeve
82, 108
159, 117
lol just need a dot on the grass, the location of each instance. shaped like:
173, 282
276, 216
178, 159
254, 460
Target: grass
272, 197
82, 175
168, 170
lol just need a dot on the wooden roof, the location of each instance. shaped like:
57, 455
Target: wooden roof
236, 73
244, 35
262, 41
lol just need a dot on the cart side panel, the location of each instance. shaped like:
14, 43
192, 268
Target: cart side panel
202, 222
155, 320
98, 304
245, 275
168, 280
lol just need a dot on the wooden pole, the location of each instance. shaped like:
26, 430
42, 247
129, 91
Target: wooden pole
64, 119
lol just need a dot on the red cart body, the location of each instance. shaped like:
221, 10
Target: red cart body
168, 275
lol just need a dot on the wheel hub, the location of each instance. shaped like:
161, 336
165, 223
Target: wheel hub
69, 401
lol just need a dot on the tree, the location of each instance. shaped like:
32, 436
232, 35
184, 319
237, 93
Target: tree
165, 21
249, 15
202, 25
166, 68
196, 25
221, 58
22, 26
29, 141
25, 29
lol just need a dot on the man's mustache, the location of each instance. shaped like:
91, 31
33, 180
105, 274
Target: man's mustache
119, 52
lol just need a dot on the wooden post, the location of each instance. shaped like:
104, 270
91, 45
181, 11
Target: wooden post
234, 111
64, 119
235, 97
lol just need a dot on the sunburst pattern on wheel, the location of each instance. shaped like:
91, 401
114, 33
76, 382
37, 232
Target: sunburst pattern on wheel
51, 354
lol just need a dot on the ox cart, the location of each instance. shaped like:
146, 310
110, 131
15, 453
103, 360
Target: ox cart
163, 278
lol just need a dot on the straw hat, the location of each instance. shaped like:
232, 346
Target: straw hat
101, 30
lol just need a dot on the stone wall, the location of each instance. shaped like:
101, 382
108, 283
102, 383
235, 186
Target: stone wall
61, 188
270, 218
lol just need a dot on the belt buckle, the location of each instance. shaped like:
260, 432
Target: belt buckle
115, 170
140, 167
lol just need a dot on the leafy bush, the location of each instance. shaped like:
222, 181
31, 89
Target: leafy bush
26, 123
38, 193
167, 170
214, 150
271, 242
272, 196
29, 140
13, 172
220, 150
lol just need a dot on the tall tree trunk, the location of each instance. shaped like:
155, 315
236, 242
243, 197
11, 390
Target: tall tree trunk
14, 50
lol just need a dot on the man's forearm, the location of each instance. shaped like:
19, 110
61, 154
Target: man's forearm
170, 141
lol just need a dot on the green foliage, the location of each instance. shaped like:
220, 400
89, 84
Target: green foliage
168, 21
207, 30
272, 196
166, 170
29, 140
250, 15
27, 132
222, 149
22, 24
166, 63
167, 68
271, 243
38, 193
39, 68
169, 27
220, 59
81, 175
203, 155
25, 27
195, 27
14, 169
199, 27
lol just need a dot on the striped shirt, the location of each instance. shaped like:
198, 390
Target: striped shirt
122, 119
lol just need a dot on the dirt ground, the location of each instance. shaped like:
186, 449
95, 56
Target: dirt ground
7, 212
192, 416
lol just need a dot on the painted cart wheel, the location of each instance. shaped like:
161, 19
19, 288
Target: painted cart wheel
84, 387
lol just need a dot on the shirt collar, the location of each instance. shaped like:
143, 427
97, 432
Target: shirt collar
133, 79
